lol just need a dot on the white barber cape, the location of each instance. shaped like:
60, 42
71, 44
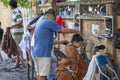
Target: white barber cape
91, 73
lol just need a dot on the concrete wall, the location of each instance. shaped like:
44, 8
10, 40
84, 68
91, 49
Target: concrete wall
5, 16
117, 51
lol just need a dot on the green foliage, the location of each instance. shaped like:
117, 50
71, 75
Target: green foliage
5, 2
22, 3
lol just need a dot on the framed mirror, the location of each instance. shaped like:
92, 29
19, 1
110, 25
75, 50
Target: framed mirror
108, 20
76, 19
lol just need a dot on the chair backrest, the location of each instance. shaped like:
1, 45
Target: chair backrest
101, 59
59, 54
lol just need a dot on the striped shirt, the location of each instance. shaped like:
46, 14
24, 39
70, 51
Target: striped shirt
16, 17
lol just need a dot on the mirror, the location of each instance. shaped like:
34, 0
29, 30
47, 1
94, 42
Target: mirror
108, 20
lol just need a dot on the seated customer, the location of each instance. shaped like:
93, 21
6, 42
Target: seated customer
76, 62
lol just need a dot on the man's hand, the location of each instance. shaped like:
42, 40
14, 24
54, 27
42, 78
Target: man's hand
10, 27
66, 30
78, 32
64, 42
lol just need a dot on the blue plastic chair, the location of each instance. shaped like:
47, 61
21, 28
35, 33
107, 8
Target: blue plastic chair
103, 66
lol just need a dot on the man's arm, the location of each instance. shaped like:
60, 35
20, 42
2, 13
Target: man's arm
61, 42
33, 22
30, 26
66, 30
18, 23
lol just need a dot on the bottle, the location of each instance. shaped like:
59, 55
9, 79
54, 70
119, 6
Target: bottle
60, 12
43, 1
38, 2
69, 11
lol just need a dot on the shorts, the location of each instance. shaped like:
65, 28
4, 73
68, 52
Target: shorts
42, 65
18, 38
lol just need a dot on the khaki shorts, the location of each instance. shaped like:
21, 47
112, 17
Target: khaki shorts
17, 38
42, 65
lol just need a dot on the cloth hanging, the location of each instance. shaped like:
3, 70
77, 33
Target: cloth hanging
60, 21
90, 75
9, 45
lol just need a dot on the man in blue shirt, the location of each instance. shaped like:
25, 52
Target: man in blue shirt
43, 36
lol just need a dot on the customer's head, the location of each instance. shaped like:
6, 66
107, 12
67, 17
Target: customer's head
13, 4
50, 14
76, 40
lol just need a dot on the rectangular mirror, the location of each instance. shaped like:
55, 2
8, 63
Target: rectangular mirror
108, 20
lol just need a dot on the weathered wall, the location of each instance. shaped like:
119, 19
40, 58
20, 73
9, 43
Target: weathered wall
5, 16
117, 51
88, 35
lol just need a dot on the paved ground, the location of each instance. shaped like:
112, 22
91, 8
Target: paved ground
8, 73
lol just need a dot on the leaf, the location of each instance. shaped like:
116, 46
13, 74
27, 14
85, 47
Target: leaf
22, 3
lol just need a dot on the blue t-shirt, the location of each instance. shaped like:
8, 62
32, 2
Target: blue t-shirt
44, 37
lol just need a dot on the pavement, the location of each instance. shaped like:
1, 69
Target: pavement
7, 72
